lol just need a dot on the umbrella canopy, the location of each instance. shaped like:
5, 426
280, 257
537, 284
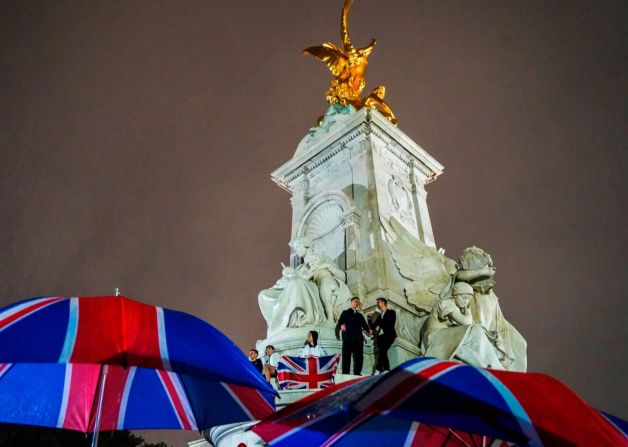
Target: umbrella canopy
65, 396
65, 360
524, 408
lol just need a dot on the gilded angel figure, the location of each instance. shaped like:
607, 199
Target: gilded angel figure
347, 65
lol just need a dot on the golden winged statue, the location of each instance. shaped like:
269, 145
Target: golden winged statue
348, 65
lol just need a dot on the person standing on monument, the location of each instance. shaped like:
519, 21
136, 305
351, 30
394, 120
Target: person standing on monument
351, 324
384, 330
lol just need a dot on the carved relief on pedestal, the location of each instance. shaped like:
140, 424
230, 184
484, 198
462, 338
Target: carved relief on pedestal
325, 227
323, 223
396, 186
409, 327
400, 197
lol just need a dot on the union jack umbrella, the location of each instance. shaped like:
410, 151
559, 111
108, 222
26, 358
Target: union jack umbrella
296, 373
430, 402
107, 363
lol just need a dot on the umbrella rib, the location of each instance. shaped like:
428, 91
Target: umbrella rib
101, 397
187, 396
457, 436
447, 438
94, 401
124, 340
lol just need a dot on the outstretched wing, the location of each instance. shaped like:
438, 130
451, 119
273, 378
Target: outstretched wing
333, 56
366, 51
429, 270
413, 257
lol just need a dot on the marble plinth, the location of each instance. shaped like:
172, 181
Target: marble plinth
347, 175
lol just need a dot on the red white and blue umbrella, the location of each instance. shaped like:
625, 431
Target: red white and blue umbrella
111, 363
432, 402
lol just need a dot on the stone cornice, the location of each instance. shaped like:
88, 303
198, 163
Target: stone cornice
382, 129
363, 122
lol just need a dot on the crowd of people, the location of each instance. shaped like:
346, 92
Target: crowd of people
352, 326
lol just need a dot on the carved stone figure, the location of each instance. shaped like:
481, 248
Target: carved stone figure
476, 268
450, 333
409, 327
331, 282
292, 302
429, 271
483, 329
310, 294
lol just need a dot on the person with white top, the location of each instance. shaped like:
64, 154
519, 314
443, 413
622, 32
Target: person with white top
270, 361
311, 348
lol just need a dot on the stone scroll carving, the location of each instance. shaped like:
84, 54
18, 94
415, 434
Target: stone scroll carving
313, 293
465, 321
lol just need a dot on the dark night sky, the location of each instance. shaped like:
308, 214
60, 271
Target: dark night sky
137, 138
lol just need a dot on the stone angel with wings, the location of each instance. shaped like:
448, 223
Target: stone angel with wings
430, 272
485, 338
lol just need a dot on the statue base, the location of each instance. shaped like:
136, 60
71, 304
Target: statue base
290, 341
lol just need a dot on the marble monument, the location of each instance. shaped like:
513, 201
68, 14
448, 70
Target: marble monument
361, 227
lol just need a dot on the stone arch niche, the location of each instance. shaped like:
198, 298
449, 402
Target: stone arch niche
324, 225
329, 220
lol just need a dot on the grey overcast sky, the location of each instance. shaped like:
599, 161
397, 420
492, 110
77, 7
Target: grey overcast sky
137, 138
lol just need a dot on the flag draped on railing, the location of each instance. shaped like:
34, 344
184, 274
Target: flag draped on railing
307, 373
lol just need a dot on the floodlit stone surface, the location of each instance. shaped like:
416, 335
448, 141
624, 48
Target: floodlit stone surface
348, 174
360, 226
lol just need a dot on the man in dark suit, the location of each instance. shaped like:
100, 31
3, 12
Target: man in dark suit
384, 330
351, 323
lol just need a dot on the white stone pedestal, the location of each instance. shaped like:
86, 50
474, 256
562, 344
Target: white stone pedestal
353, 170
348, 174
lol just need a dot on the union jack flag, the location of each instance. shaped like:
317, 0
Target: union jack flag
307, 373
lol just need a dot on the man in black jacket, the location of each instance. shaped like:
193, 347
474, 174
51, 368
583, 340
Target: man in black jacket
384, 329
351, 323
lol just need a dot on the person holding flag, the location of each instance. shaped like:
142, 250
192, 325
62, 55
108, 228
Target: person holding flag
311, 348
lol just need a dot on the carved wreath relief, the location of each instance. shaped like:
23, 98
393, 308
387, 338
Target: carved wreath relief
401, 199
